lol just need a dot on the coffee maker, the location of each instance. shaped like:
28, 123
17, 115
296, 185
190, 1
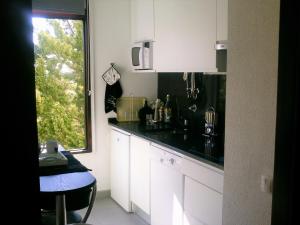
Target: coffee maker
210, 122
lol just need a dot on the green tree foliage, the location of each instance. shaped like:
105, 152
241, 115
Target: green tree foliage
59, 71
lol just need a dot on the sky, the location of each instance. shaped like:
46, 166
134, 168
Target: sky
40, 24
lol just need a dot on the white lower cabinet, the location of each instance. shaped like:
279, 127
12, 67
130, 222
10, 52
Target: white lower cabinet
120, 168
140, 173
172, 188
203, 194
190, 220
166, 188
202, 205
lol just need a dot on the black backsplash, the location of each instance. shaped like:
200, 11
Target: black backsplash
212, 92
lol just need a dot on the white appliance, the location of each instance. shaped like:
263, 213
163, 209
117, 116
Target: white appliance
166, 188
120, 157
142, 55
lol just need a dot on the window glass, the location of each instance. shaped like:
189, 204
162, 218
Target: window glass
61, 82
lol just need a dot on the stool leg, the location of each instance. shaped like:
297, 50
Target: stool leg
61, 216
91, 203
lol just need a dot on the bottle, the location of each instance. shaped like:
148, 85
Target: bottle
144, 111
186, 126
168, 110
161, 114
156, 111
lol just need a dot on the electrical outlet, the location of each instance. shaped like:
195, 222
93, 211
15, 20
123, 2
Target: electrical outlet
265, 184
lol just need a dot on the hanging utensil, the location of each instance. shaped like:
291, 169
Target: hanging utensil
194, 90
193, 108
186, 79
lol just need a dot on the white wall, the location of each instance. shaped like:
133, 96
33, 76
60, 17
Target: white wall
251, 90
110, 34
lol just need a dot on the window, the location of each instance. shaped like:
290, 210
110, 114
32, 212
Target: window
62, 75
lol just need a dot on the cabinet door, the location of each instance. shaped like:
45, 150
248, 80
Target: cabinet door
140, 173
222, 20
202, 203
142, 20
190, 220
166, 193
185, 35
120, 169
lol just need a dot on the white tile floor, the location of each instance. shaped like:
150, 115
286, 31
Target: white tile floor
107, 212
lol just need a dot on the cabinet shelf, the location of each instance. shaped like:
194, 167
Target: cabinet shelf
214, 73
144, 71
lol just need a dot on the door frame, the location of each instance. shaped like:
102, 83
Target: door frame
287, 123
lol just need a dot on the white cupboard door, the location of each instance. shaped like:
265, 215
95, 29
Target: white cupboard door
185, 35
205, 174
120, 169
166, 195
142, 20
140, 173
190, 220
222, 20
202, 203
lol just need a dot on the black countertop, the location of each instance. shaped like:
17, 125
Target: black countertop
198, 147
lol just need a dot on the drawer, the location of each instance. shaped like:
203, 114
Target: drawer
211, 178
202, 203
166, 158
190, 220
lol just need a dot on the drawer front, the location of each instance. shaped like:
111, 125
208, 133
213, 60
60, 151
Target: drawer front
190, 220
202, 203
206, 176
166, 158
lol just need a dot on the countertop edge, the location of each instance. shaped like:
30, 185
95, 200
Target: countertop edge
186, 154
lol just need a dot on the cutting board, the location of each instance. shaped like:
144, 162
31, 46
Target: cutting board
128, 108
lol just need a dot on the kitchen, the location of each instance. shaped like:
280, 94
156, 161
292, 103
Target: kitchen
136, 86
144, 84
240, 177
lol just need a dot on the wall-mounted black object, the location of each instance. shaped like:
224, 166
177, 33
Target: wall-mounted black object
212, 91
285, 185
19, 148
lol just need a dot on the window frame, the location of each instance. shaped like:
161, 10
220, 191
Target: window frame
87, 75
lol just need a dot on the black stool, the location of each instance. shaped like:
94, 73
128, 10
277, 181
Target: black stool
75, 200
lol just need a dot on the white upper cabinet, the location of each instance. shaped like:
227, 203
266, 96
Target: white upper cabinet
142, 20
222, 20
185, 32
185, 35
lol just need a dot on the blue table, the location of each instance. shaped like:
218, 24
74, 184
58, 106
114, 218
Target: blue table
61, 184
